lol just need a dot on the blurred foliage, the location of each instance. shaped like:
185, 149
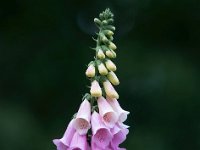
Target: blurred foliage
44, 50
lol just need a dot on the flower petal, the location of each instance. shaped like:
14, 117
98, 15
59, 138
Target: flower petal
82, 121
65, 141
79, 142
101, 134
106, 111
119, 135
117, 108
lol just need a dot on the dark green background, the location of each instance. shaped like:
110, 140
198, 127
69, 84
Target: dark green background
44, 50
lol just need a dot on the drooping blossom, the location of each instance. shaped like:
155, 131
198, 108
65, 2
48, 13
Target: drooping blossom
101, 135
119, 133
109, 89
113, 78
106, 112
117, 108
95, 89
64, 142
79, 142
90, 72
110, 65
82, 120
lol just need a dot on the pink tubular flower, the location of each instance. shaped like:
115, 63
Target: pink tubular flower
95, 147
101, 135
79, 142
107, 113
109, 89
117, 108
119, 135
82, 121
64, 142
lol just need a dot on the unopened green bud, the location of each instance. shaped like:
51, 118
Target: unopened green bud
101, 16
110, 20
104, 22
110, 65
110, 27
105, 48
102, 69
97, 21
104, 39
111, 38
108, 32
110, 54
112, 46
100, 54
113, 78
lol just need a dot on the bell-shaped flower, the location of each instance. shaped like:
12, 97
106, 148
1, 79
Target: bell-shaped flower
119, 135
95, 147
102, 69
107, 113
90, 72
109, 89
95, 90
64, 142
117, 108
110, 65
113, 78
79, 142
101, 135
82, 121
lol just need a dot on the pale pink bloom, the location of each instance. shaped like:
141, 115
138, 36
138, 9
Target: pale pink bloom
90, 72
79, 142
82, 120
64, 142
117, 108
101, 135
119, 135
106, 112
109, 89
95, 147
95, 90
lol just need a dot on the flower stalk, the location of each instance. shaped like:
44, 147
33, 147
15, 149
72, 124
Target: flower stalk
100, 117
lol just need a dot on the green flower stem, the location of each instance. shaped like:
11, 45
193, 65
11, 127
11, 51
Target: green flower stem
103, 42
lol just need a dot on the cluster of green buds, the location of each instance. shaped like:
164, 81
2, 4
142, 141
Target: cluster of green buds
101, 71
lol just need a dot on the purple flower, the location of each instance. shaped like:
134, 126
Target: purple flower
64, 142
117, 108
119, 135
82, 120
107, 113
79, 142
101, 135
